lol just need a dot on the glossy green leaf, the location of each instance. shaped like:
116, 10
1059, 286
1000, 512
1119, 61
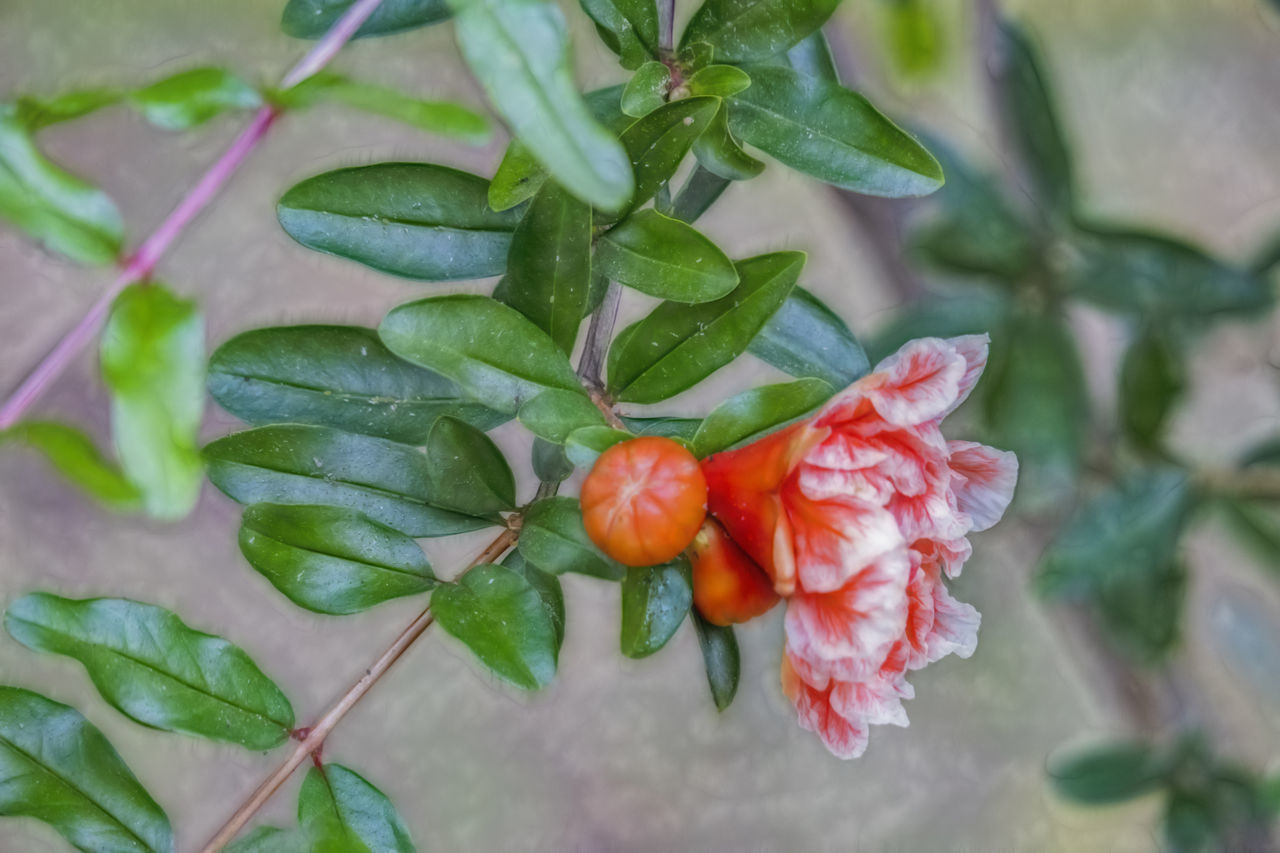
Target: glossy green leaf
35, 113
294, 464
628, 27
443, 117
746, 30
666, 258
758, 411
683, 429
647, 89
719, 153
147, 663
76, 457
550, 464
468, 471
718, 81
835, 135
677, 346
914, 32
332, 560
415, 220
153, 363
492, 351
1107, 773
1152, 380
1027, 95
338, 376
806, 338
499, 614
519, 51
61, 211
547, 586
584, 445
720, 656
554, 414
311, 19
548, 275
655, 600
700, 191
811, 56
56, 767
553, 539
658, 142
193, 97
341, 812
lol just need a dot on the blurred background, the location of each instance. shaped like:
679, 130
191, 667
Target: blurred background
1172, 111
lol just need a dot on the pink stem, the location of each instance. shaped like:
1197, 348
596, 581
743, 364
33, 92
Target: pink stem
138, 266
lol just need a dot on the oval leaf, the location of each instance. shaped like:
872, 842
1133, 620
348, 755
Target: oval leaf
548, 587
77, 458
718, 81
332, 560
442, 117
628, 27
193, 97
554, 414
760, 410
1108, 773
683, 429
658, 142
553, 539
647, 89
155, 669
719, 153
1153, 378
468, 471
743, 30
655, 600
720, 656
665, 257
340, 811
584, 445
1024, 88
806, 338
311, 19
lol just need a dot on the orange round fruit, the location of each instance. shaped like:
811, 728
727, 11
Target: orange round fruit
728, 586
644, 500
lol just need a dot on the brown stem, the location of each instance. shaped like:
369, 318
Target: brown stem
1258, 483
314, 737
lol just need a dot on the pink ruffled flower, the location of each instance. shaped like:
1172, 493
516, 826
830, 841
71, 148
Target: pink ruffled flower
857, 515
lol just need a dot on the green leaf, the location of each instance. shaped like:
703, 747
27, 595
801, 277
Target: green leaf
915, 36
342, 813
655, 600
699, 192
720, 656
74, 455
811, 56
647, 89
493, 351
148, 664
627, 27
718, 81
819, 128
683, 429
806, 338
443, 117
554, 414
64, 213
153, 363
332, 560
415, 220
973, 311
271, 839
519, 51
666, 258
1152, 380
719, 153
1107, 773
338, 376
468, 471
1141, 610
1027, 94
550, 464
1150, 274
1257, 528
584, 445
658, 142
190, 98
554, 540
56, 767
677, 346
294, 464
499, 614
548, 587
1190, 823
311, 19
36, 113
756, 412
745, 30
548, 275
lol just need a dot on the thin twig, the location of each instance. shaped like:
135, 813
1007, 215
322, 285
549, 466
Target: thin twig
666, 26
139, 265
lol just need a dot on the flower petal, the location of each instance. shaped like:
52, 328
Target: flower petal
836, 538
984, 481
955, 626
877, 701
843, 738
918, 383
974, 350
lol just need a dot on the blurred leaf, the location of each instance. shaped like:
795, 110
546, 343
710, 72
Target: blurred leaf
499, 614
442, 117
683, 429
585, 444
914, 36
1190, 825
56, 767
658, 142
271, 839
554, 414
1255, 527
548, 587
56, 208
76, 457
647, 89
758, 411
339, 376
811, 56
677, 346
311, 19
806, 338
699, 192
666, 258
627, 27
156, 670
720, 656
1152, 381
153, 362
548, 275
415, 220
1141, 610
490, 349
468, 471
553, 539
1034, 124
192, 97
519, 51
35, 113
342, 813
294, 464
977, 311
745, 30
1107, 773
332, 560
830, 133
719, 153
550, 464
1264, 261
718, 81
655, 600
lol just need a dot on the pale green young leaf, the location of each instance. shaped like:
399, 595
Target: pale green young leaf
35, 113
76, 457
192, 97
718, 81
647, 89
